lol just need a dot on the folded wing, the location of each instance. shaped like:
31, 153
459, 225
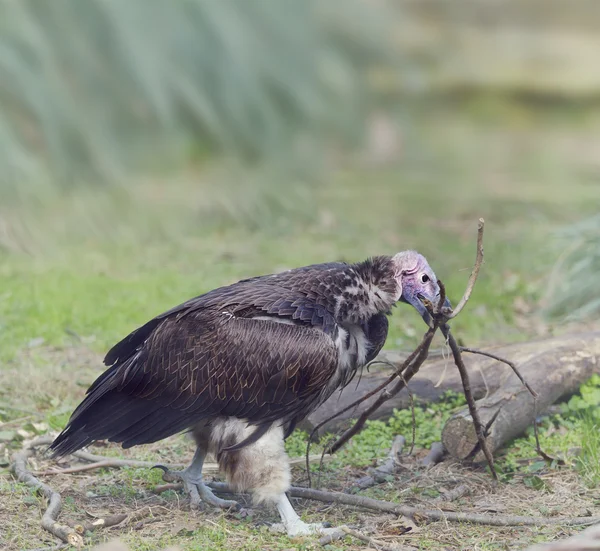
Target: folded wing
207, 358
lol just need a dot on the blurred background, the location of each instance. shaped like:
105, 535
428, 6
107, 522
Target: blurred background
151, 151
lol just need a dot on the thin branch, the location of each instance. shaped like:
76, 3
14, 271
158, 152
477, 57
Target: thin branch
486, 433
440, 304
116, 462
421, 355
385, 395
464, 375
82, 528
531, 391
433, 515
49, 519
474, 274
119, 463
110, 521
503, 360
107, 464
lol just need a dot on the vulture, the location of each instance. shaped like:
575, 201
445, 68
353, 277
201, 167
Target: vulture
241, 365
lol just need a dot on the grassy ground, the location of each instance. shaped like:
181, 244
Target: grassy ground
77, 273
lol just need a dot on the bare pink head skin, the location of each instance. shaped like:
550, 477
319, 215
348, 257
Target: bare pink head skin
416, 281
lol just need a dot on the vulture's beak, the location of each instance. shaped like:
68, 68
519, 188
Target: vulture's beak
416, 301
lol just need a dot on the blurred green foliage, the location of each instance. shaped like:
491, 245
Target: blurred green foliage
91, 90
574, 287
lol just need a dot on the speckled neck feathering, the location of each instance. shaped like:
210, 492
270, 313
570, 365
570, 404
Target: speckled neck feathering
258, 354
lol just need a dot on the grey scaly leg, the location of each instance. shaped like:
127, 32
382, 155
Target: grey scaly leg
191, 477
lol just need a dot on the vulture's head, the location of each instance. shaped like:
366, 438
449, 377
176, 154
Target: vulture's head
417, 282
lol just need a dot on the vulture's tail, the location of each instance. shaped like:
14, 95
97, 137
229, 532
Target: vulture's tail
107, 413
117, 418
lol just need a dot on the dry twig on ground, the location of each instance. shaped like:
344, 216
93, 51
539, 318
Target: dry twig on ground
435, 455
381, 473
110, 521
425, 514
344, 531
71, 532
50, 516
102, 462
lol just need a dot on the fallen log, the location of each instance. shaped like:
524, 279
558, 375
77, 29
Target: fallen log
554, 368
535, 360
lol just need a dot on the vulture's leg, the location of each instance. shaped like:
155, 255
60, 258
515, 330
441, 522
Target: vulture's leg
193, 483
262, 468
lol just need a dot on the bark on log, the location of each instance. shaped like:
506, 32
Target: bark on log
535, 359
556, 369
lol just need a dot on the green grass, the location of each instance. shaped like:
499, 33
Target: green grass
589, 460
571, 436
178, 82
99, 263
374, 441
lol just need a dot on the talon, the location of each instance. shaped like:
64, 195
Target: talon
168, 474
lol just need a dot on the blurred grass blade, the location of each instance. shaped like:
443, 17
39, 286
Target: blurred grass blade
95, 91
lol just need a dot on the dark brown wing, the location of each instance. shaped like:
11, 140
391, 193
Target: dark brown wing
304, 295
205, 364
376, 330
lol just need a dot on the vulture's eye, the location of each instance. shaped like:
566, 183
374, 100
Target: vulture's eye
424, 278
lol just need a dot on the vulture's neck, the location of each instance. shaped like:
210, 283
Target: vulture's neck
368, 289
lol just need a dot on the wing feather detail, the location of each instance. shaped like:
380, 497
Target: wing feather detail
258, 370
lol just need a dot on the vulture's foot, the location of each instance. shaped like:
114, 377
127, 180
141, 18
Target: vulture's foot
300, 528
195, 487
